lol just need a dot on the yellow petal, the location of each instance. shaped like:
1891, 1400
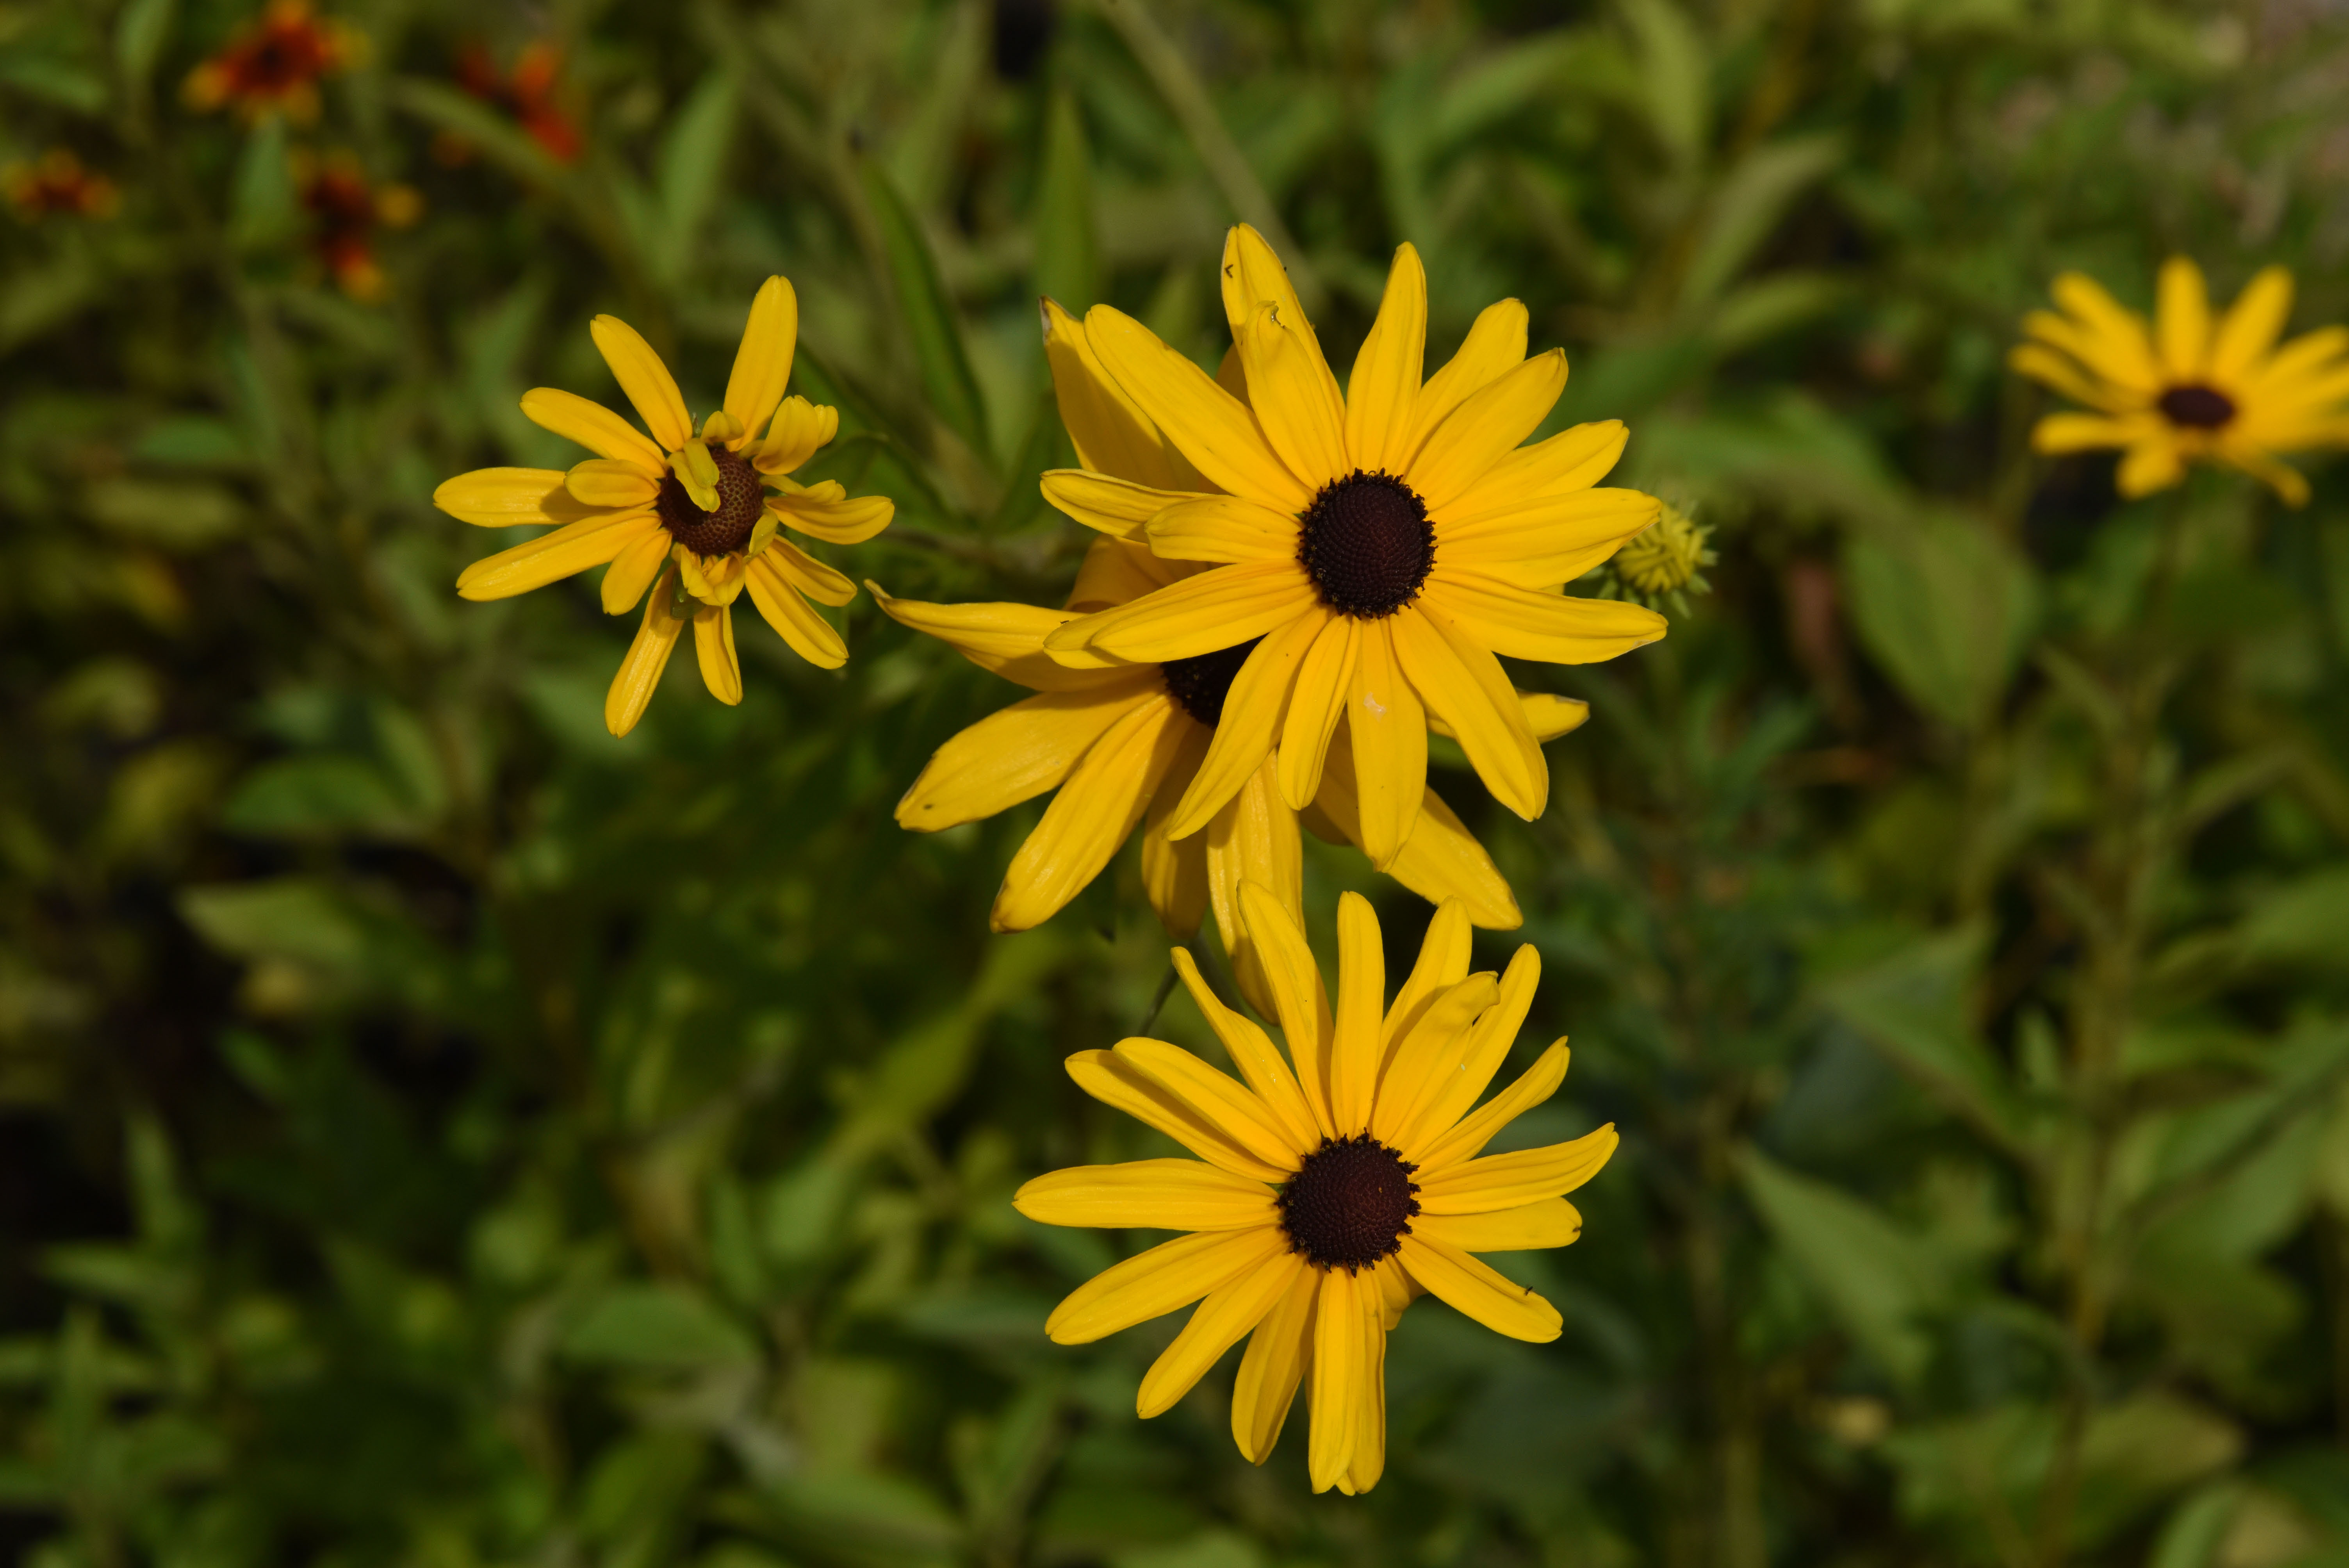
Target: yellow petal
1485, 428
1253, 1052
1456, 1077
1299, 999
1091, 816
1254, 277
1175, 872
1222, 528
610, 481
502, 497
1226, 1318
1273, 1366
842, 522
763, 365
1549, 716
1210, 426
1479, 1291
1324, 678
1573, 460
1525, 624
1113, 506
1506, 1180
1149, 1195
1117, 572
809, 634
1370, 1460
1253, 713
2044, 366
1495, 344
2153, 464
1465, 685
1552, 539
640, 671
1470, 1135
1389, 726
1436, 1044
1120, 1084
1385, 379
593, 426
1238, 1111
2109, 340
713, 646
645, 379
633, 571
1111, 433
2253, 325
800, 429
1443, 963
2303, 357
1015, 755
1340, 1346
1361, 1001
1219, 608
2182, 319
1253, 838
550, 557
1007, 639
1290, 390
1441, 860
1167, 1278
809, 575
2087, 432
1545, 1223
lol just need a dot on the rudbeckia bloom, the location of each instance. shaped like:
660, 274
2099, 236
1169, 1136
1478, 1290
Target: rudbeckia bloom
1338, 1183
686, 516
2190, 389
1123, 743
1384, 545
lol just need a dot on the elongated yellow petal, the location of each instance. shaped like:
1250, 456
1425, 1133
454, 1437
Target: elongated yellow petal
1222, 528
1167, 1278
1456, 1077
1273, 1366
1545, 1223
713, 647
1506, 1180
1385, 379
593, 426
1210, 426
1441, 860
1253, 277
763, 365
633, 571
1550, 540
1388, 725
502, 498
1443, 963
2154, 463
2289, 367
2067, 432
1175, 872
1253, 1052
1325, 677
1295, 401
2109, 339
809, 575
1230, 1312
1370, 1460
1436, 1044
1149, 1195
645, 379
1016, 755
640, 671
610, 481
846, 520
1464, 684
1479, 1291
1123, 1086
1340, 1328
1253, 838
1573, 460
2182, 319
1525, 624
1113, 506
1486, 427
1116, 571
1361, 1001
550, 557
800, 429
1111, 433
809, 634
2049, 368
1466, 1138
1216, 1096
1254, 710
1219, 608
1007, 639
1495, 345
1550, 716
1298, 997
1093, 813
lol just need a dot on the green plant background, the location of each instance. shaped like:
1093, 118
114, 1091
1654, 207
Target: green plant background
434, 1133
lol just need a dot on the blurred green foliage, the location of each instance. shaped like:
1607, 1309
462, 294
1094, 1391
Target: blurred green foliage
433, 1133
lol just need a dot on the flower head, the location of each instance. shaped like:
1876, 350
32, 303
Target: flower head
1383, 544
274, 66
1121, 743
1667, 559
345, 211
686, 515
528, 93
2190, 389
58, 183
1338, 1182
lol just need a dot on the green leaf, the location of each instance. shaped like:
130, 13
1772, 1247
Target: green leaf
1876, 1278
298, 796
1678, 90
262, 211
2302, 923
140, 32
1946, 606
1068, 238
1913, 1006
1747, 205
929, 317
692, 170
655, 1326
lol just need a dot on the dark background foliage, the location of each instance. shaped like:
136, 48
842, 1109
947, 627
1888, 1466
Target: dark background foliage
434, 1133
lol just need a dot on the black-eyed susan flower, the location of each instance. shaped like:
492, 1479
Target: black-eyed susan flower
275, 63
1383, 544
57, 182
683, 515
2189, 389
1121, 743
1338, 1183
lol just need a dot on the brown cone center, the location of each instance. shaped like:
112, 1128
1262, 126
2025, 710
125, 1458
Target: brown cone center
740, 499
1350, 1204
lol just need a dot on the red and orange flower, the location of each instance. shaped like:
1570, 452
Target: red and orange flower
275, 63
57, 182
345, 211
529, 93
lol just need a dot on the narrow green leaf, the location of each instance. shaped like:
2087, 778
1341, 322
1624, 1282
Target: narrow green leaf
930, 320
692, 170
1068, 240
1874, 1276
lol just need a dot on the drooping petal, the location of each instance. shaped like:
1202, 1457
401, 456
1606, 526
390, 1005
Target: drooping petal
550, 557
1253, 838
1464, 684
2182, 319
1298, 996
1253, 1052
640, 671
1479, 1291
1388, 725
809, 634
713, 647
1219, 608
1385, 380
1506, 1180
1092, 815
1362, 1000
647, 381
502, 498
1525, 624
1324, 679
1254, 710
593, 426
1531, 1227
1167, 1278
633, 571
1007, 639
1105, 502
1487, 425
1122, 1085
1230, 1312
762, 363
1149, 1195
1468, 1136
1222, 528
1339, 1327
1295, 401
1273, 1366
1211, 427
1495, 344
1016, 754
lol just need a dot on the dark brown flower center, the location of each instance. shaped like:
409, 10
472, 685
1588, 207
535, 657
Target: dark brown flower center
1367, 544
739, 500
1201, 682
2199, 407
1350, 1204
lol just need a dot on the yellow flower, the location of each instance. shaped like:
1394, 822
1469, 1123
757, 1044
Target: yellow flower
1121, 744
2190, 389
1339, 1184
1384, 545
683, 515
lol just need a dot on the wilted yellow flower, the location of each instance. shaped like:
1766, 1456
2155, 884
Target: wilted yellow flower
2190, 389
1338, 1184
